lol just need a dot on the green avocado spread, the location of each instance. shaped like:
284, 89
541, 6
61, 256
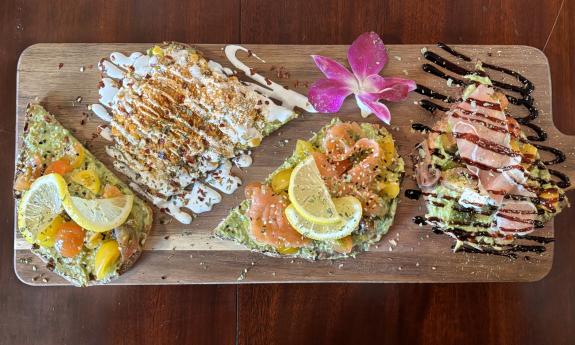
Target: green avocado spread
44, 137
237, 225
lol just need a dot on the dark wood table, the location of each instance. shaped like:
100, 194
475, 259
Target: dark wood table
536, 313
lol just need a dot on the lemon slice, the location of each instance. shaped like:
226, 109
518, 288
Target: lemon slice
99, 215
41, 204
348, 207
309, 195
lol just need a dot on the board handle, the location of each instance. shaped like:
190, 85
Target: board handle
559, 147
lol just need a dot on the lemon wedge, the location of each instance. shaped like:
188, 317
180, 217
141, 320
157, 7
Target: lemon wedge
309, 195
348, 207
99, 215
41, 204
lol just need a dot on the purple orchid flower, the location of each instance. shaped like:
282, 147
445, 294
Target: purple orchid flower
367, 57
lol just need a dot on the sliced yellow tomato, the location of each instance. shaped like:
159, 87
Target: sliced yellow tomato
343, 245
47, 237
157, 51
529, 150
391, 189
388, 147
303, 148
79, 158
88, 179
287, 250
515, 145
280, 181
106, 258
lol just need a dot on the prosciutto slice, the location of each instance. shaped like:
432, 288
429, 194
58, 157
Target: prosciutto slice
516, 217
480, 127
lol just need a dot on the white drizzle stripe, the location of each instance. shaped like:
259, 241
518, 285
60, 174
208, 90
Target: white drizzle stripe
289, 98
122, 90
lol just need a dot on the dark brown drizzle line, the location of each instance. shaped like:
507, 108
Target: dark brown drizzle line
526, 100
525, 91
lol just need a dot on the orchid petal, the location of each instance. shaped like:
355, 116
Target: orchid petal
370, 101
390, 88
367, 55
334, 70
327, 95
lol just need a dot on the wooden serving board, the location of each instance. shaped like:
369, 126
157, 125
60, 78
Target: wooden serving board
60, 74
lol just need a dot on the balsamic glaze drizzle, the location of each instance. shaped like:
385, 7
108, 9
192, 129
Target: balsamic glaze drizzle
538, 135
559, 155
425, 91
413, 194
525, 91
541, 135
564, 182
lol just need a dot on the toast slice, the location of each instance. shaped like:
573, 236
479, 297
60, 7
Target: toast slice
239, 225
46, 141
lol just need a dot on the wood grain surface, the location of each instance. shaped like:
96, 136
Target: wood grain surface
532, 313
189, 254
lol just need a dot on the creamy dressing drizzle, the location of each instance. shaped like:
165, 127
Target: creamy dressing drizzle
119, 72
289, 98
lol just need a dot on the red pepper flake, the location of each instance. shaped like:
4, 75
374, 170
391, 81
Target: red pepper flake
60, 65
282, 73
250, 53
252, 71
268, 81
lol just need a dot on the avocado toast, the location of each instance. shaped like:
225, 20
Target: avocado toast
334, 197
484, 183
177, 121
83, 221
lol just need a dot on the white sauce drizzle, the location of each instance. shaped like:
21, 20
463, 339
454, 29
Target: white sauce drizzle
106, 132
120, 70
289, 98
111, 70
223, 180
243, 160
101, 112
202, 198
108, 90
174, 210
